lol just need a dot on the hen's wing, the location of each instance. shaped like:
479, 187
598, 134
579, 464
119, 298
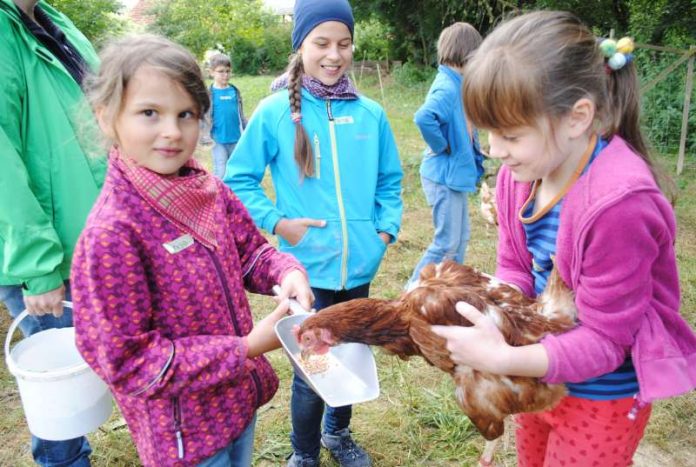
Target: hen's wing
435, 304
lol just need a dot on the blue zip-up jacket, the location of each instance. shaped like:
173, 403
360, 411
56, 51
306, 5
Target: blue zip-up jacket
451, 158
356, 187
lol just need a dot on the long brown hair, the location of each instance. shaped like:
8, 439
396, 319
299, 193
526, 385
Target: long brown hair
303, 149
539, 65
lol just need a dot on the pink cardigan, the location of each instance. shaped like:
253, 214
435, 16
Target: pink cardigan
166, 329
615, 248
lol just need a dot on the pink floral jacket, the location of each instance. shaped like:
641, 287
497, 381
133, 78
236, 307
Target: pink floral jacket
615, 250
164, 324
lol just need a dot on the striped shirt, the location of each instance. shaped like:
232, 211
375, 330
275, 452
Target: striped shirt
541, 243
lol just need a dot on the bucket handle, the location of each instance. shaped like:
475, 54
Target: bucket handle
10, 332
295, 307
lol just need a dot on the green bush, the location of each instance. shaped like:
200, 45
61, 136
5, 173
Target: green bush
243, 53
268, 55
276, 47
409, 74
663, 104
372, 39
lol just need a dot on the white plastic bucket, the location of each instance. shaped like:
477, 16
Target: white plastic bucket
61, 395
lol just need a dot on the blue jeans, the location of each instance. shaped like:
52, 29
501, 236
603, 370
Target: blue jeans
306, 408
72, 452
221, 153
451, 222
238, 453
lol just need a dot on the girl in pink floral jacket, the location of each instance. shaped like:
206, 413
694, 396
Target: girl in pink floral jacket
161, 267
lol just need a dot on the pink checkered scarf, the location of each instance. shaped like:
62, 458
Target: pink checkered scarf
186, 199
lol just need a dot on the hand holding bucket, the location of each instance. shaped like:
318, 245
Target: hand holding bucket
61, 395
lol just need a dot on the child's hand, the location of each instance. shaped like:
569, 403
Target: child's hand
295, 285
386, 238
480, 346
263, 338
292, 230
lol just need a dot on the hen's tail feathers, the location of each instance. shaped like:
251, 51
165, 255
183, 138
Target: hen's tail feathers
488, 207
557, 300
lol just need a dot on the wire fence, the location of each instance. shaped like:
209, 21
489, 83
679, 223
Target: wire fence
666, 85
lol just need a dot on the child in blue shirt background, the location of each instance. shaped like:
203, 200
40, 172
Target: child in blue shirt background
226, 114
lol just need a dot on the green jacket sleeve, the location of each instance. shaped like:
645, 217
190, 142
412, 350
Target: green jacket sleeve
31, 250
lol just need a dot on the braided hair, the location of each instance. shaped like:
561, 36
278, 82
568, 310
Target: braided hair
303, 148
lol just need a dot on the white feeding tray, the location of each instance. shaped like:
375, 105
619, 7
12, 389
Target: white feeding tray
351, 375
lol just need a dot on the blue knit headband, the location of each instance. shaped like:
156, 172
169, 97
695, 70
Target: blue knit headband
308, 14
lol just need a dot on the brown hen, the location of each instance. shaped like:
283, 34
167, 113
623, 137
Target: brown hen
402, 327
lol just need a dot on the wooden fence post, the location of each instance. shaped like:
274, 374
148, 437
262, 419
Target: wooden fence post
381, 88
362, 65
687, 103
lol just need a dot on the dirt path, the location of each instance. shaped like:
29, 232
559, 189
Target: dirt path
649, 455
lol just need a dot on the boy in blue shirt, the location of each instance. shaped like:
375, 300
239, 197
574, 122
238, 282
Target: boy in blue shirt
227, 114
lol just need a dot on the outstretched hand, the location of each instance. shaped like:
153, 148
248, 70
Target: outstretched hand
480, 346
295, 285
262, 337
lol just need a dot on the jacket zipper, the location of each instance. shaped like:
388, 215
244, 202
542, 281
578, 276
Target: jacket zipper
225, 288
221, 275
177, 427
257, 382
339, 196
317, 155
240, 111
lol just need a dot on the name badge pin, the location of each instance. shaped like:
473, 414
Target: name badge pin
179, 244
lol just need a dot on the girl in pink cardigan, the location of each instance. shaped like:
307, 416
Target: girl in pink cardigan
161, 268
588, 202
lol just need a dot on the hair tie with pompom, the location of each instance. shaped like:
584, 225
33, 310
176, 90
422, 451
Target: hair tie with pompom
617, 53
296, 117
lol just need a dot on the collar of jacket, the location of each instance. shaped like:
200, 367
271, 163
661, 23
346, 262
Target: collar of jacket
8, 8
456, 77
76, 38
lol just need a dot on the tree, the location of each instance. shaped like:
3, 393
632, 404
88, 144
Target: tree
670, 22
256, 40
97, 19
416, 24
203, 24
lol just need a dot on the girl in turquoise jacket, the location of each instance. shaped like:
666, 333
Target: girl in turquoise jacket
337, 180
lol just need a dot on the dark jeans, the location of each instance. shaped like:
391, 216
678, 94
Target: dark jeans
306, 407
69, 453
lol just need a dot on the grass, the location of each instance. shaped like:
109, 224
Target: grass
415, 421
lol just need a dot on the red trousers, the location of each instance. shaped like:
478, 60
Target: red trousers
580, 432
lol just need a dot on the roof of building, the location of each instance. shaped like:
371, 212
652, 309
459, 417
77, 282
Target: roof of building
280, 7
139, 14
